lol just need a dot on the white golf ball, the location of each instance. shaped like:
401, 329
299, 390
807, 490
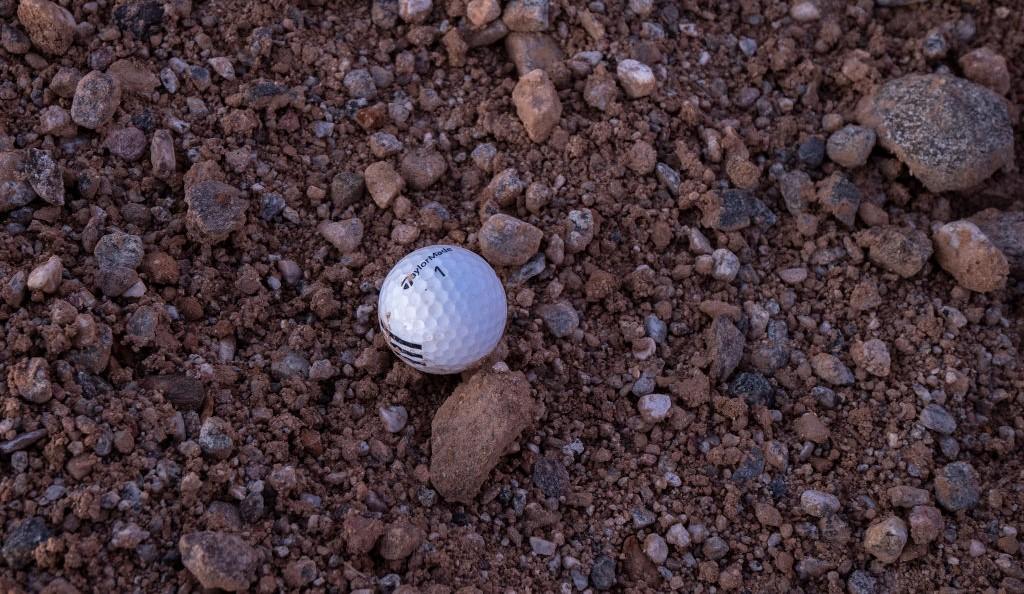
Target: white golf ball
442, 308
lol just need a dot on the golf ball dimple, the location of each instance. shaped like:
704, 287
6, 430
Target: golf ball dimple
442, 308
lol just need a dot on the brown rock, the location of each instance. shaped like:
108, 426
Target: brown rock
182, 391
907, 496
527, 15
872, 356
215, 210
886, 539
926, 523
810, 428
767, 514
219, 560
44, 175
50, 26
422, 168
508, 241
134, 77
537, 104
127, 143
831, 369
724, 343
986, 68
474, 428
840, 197
360, 533
970, 256
345, 235
30, 379
638, 565
383, 183
400, 540
161, 154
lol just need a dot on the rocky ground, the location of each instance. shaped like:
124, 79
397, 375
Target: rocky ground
764, 261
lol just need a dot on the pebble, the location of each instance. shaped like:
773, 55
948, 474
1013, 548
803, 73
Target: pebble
956, 486
483, 157
678, 536
715, 548
14, 195
818, 503
215, 438
668, 177
182, 391
383, 182
384, 145
728, 210
50, 26
804, 12
902, 251
127, 143
219, 560
987, 68
793, 276
360, 85
885, 540
323, 129
415, 11
851, 146
14, 40
724, 344
527, 15
560, 318
907, 496
542, 547
965, 252
937, 418
215, 210
223, 67
872, 356
119, 249
951, 133
97, 97
551, 477
829, 368
840, 197
537, 104
926, 524
861, 582
422, 168
462, 456
47, 276
139, 17
21, 539
811, 152
346, 235
394, 418
482, 12
655, 548
45, 177
725, 265
636, 78
581, 230
161, 154
65, 81
30, 378
654, 408
797, 190
602, 573
641, 157
347, 188
300, 573
504, 187
400, 540
508, 241
810, 428
754, 388
600, 90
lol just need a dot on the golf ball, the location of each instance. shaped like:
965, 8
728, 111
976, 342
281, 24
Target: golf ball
442, 308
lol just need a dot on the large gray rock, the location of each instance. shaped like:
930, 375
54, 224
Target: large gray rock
951, 133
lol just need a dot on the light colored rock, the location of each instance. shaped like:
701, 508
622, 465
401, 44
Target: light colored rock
46, 276
965, 252
345, 235
50, 26
885, 540
508, 241
415, 11
482, 12
851, 146
219, 560
636, 78
537, 104
527, 16
818, 503
383, 183
654, 407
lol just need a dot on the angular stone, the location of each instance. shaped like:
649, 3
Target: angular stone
30, 379
636, 78
215, 210
345, 235
902, 251
885, 540
422, 168
724, 344
926, 524
219, 560
560, 319
527, 15
831, 369
161, 154
840, 197
47, 276
818, 503
44, 175
473, 429
872, 356
182, 391
508, 241
987, 68
537, 104
532, 51
127, 143
851, 145
383, 183
957, 487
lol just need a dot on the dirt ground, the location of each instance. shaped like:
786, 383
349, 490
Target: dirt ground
109, 456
